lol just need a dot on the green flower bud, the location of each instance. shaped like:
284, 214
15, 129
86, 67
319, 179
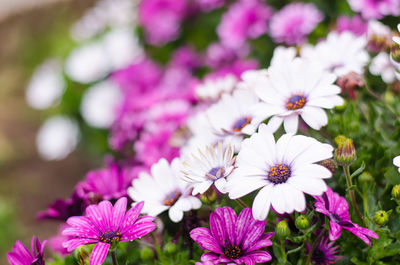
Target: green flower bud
147, 254
282, 230
365, 177
396, 192
381, 217
302, 222
170, 248
340, 139
329, 164
209, 196
82, 254
345, 154
395, 52
341, 108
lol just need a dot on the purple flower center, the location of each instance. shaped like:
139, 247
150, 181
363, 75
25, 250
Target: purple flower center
240, 124
233, 252
296, 102
318, 256
279, 173
110, 237
216, 172
171, 198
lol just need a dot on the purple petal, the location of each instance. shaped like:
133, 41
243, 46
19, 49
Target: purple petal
242, 224
21, 250
138, 230
246, 260
79, 232
362, 233
71, 244
229, 216
259, 256
206, 241
118, 213
131, 216
208, 256
217, 228
83, 222
106, 209
96, 217
14, 259
99, 253
262, 242
254, 232
335, 230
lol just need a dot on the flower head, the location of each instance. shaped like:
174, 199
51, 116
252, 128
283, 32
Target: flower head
105, 226
233, 239
20, 255
297, 88
294, 22
353, 24
324, 253
284, 170
375, 8
336, 208
164, 190
212, 165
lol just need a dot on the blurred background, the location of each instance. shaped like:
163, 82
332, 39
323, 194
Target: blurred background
31, 31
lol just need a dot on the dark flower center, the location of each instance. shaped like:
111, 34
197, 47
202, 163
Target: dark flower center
110, 237
172, 198
233, 252
240, 124
279, 173
216, 172
296, 102
318, 256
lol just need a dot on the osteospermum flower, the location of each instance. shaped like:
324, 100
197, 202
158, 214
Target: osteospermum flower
297, 88
20, 255
213, 87
339, 53
233, 239
336, 208
207, 166
284, 170
164, 190
381, 66
294, 22
324, 253
375, 8
396, 162
105, 226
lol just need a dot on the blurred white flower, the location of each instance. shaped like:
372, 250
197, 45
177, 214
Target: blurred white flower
382, 66
46, 85
213, 88
88, 63
57, 137
99, 103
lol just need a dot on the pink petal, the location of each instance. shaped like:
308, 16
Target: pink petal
71, 244
99, 253
262, 242
259, 256
131, 216
209, 256
83, 222
21, 250
217, 228
335, 230
14, 259
229, 216
118, 213
254, 232
204, 238
138, 230
242, 224
106, 209
96, 217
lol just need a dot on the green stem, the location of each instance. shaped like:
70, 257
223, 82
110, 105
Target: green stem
283, 251
242, 203
114, 258
346, 170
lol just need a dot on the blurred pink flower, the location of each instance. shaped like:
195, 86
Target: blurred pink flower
370, 9
354, 24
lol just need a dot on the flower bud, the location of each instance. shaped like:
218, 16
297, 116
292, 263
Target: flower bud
345, 154
209, 196
147, 254
302, 222
381, 217
282, 230
170, 248
396, 192
395, 52
82, 254
329, 164
349, 82
365, 177
340, 139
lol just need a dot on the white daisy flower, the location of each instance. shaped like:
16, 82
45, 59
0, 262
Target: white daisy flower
234, 114
396, 162
213, 88
299, 88
339, 53
164, 190
284, 170
283, 55
207, 166
382, 66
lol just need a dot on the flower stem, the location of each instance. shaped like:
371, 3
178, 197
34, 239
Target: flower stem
346, 170
242, 203
114, 258
314, 246
283, 250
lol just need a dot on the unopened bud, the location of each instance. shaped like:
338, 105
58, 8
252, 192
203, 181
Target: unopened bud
396, 192
147, 254
209, 196
340, 139
82, 254
395, 52
345, 154
329, 164
282, 230
170, 248
349, 82
365, 177
302, 222
381, 217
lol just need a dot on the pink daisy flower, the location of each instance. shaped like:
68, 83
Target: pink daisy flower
20, 254
375, 8
105, 226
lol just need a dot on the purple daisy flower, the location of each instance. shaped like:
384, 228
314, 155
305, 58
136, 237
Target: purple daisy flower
106, 225
324, 253
20, 255
337, 209
232, 239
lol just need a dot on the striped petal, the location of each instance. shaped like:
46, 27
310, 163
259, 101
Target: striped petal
99, 253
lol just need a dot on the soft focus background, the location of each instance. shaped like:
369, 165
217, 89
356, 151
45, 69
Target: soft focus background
30, 31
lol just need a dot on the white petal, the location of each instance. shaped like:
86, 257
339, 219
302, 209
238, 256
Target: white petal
201, 187
175, 214
396, 161
314, 117
240, 187
291, 123
313, 171
262, 203
274, 123
277, 200
220, 184
312, 186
